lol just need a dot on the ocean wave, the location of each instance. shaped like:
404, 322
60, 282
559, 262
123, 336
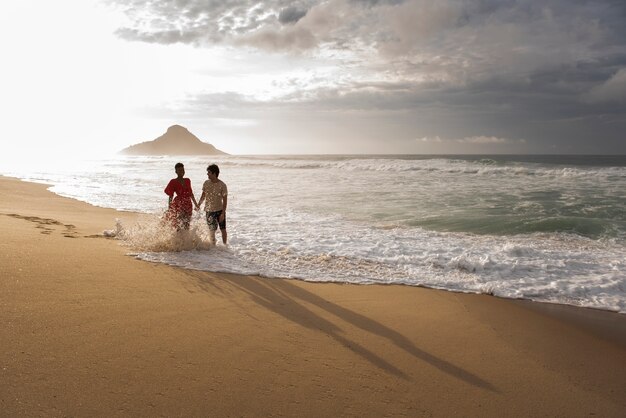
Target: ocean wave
483, 167
589, 227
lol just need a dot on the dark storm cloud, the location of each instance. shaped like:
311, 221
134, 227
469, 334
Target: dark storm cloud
559, 65
457, 40
290, 15
376, 2
544, 110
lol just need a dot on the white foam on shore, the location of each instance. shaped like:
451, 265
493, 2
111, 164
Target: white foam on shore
558, 268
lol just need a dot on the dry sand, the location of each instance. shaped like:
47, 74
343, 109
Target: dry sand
90, 331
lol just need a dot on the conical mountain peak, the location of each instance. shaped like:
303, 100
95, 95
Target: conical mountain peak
177, 140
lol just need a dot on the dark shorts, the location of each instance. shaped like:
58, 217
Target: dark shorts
212, 219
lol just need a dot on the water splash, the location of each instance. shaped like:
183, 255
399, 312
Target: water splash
151, 233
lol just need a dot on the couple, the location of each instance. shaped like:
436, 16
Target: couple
180, 208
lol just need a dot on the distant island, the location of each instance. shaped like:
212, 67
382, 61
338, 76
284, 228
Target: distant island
176, 141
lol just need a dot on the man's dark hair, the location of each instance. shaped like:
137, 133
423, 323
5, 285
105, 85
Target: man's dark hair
213, 168
179, 165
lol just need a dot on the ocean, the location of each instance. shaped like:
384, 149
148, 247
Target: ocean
544, 228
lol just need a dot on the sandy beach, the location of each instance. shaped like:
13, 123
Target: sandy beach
90, 331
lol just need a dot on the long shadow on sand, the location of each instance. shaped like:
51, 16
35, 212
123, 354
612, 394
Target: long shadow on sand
285, 299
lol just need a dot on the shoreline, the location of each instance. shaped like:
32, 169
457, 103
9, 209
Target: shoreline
92, 331
548, 308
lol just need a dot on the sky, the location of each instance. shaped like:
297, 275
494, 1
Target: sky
338, 76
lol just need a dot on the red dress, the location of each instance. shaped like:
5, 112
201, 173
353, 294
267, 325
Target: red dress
181, 208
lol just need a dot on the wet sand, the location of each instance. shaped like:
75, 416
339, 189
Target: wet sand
88, 330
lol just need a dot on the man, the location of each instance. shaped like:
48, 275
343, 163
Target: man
216, 194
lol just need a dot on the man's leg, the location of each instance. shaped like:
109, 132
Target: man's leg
222, 226
212, 223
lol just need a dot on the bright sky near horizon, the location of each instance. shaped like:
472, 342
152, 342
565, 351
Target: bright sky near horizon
305, 76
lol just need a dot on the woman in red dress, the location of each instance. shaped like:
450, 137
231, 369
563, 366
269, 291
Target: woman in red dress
180, 208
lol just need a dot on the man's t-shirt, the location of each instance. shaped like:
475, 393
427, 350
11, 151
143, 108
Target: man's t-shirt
214, 192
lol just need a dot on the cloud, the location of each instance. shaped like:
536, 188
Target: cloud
554, 70
206, 23
446, 40
291, 15
288, 38
407, 27
427, 139
611, 91
489, 140
232, 122
481, 140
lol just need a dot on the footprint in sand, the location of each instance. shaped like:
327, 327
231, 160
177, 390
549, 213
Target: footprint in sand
46, 225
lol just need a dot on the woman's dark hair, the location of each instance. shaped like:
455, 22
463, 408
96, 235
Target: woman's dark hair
179, 165
213, 168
